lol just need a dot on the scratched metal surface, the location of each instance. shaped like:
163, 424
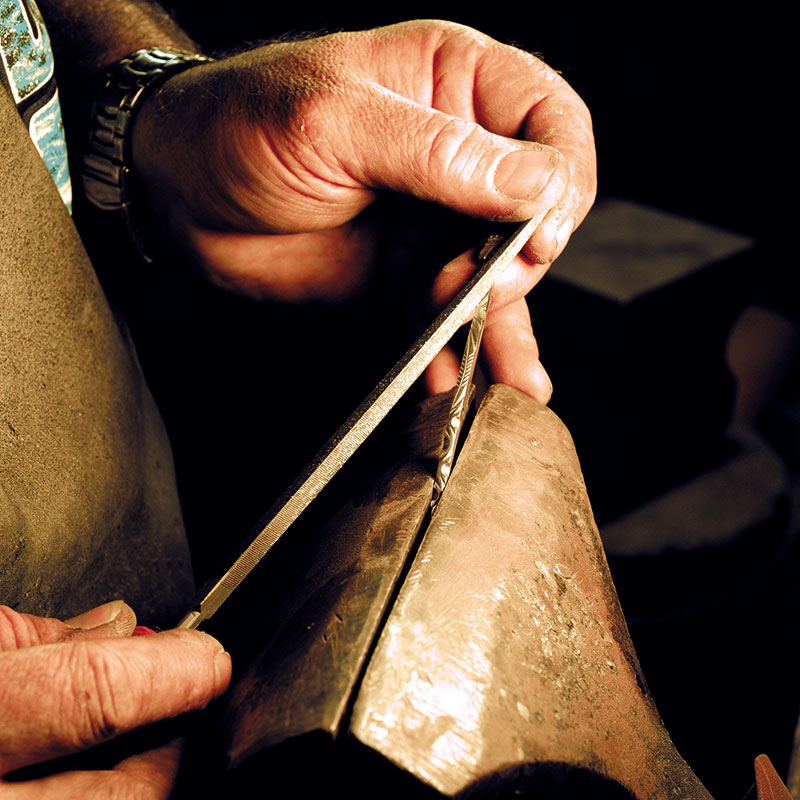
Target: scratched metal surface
507, 645
302, 681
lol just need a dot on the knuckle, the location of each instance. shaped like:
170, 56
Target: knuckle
455, 149
18, 630
448, 29
307, 89
300, 75
12, 629
98, 697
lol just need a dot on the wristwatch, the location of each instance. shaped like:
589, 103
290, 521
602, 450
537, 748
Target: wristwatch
107, 178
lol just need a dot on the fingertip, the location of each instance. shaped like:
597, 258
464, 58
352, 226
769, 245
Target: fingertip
124, 623
563, 236
154, 771
114, 619
451, 278
214, 650
549, 240
442, 374
532, 379
512, 353
541, 387
223, 667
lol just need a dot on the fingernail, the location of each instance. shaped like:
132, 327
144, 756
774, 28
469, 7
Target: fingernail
142, 630
101, 615
222, 669
523, 173
562, 237
543, 383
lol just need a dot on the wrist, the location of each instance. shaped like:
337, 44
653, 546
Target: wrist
198, 148
109, 180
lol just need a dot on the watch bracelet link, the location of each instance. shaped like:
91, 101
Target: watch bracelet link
107, 176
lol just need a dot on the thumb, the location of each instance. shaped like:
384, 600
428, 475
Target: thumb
110, 620
401, 145
144, 776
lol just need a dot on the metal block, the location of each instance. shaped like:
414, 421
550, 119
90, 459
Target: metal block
503, 665
302, 681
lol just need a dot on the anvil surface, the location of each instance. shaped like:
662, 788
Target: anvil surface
507, 646
504, 664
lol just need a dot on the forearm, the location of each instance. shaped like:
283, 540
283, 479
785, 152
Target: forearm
87, 35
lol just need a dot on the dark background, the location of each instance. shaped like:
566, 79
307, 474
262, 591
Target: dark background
692, 109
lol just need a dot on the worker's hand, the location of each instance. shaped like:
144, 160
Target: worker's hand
261, 164
65, 687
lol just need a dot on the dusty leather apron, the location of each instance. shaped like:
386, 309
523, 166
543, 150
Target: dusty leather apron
88, 505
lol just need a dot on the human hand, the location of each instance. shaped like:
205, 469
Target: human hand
261, 164
67, 686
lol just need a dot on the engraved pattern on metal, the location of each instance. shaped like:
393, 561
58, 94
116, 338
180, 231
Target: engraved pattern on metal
466, 371
461, 400
357, 427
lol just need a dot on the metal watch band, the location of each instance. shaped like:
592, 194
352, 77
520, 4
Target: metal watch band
106, 164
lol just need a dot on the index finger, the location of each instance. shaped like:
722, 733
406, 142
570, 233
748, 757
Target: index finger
61, 698
519, 277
